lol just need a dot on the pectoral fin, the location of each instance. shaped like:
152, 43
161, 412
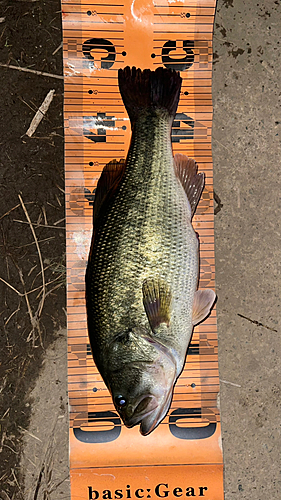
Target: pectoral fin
202, 305
157, 301
192, 181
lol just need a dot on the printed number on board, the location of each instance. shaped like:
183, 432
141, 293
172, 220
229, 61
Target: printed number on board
108, 425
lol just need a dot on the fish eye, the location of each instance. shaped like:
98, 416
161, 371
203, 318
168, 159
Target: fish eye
120, 401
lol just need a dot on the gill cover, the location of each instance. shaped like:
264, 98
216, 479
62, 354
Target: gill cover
140, 376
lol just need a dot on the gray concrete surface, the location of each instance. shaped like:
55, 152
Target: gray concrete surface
246, 152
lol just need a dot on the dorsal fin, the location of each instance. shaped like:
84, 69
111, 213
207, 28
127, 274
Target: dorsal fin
107, 185
186, 170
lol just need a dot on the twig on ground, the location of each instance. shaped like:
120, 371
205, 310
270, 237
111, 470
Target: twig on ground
229, 383
39, 115
258, 323
27, 70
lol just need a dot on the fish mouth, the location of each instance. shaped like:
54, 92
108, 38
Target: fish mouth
144, 407
152, 420
149, 414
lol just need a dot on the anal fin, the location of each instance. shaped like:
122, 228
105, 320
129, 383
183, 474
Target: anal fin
157, 299
186, 170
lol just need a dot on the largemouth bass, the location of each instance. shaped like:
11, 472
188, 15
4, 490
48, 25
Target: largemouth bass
142, 272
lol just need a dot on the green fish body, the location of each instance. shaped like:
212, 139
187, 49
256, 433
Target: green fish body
142, 272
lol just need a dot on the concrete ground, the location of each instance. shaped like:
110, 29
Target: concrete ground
246, 153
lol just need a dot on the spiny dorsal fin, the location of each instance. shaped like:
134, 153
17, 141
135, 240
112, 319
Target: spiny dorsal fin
157, 301
192, 182
202, 304
107, 185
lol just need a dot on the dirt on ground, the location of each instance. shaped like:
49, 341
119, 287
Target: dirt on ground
246, 153
32, 215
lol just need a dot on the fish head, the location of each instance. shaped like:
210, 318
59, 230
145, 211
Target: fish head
141, 375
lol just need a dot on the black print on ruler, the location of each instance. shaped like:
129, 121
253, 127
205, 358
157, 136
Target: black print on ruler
182, 133
179, 416
102, 45
194, 432
101, 122
90, 196
99, 436
176, 62
179, 63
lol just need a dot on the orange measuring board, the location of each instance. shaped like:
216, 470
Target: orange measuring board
183, 456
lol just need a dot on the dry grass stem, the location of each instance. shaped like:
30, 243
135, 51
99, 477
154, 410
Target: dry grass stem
62, 190
13, 288
14, 208
4, 414
40, 307
9, 211
11, 315
4, 434
26, 103
39, 225
3, 494
58, 200
58, 221
16, 481
57, 49
53, 289
39, 219
30, 291
49, 283
33, 320
30, 434
32, 269
45, 215
9, 448
35, 72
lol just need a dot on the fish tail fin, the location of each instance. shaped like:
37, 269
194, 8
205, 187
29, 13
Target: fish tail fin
140, 90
